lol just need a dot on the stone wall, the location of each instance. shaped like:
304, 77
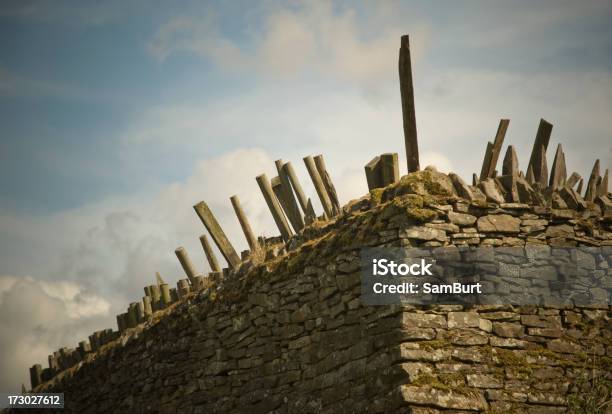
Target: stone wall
291, 334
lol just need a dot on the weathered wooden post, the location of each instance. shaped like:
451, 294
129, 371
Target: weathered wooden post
140, 313
535, 161
373, 173
35, 375
121, 322
84, 348
210, 255
591, 190
217, 233
275, 208
319, 186
166, 299
186, 263
244, 224
287, 199
148, 308
182, 286
277, 189
305, 203
602, 188
327, 182
389, 168
558, 173
493, 150
155, 297
408, 111
572, 180
132, 319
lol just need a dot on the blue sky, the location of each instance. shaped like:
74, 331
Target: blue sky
116, 118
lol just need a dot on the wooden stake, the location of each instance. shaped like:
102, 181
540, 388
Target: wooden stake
305, 204
408, 111
493, 150
244, 223
294, 215
319, 186
327, 182
275, 208
217, 233
541, 140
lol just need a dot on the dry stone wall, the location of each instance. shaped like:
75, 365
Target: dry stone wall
291, 335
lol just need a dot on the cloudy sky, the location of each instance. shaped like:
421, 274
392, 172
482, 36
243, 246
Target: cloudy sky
116, 118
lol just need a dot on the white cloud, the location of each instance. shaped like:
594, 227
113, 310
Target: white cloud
37, 318
305, 38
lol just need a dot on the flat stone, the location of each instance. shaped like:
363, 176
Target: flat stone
443, 398
484, 381
563, 346
508, 330
561, 230
463, 320
424, 233
499, 223
461, 219
423, 320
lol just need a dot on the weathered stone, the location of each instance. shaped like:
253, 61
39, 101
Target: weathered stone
461, 219
443, 398
424, 233
561, 230
558, 173
462, 189
423, 320
408, 111
508, 330
498, 223
463, 320
484, 381
491, 191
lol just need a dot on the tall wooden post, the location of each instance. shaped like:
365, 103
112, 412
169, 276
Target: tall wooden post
244, 223
186, 263
319, 186
408, 112
305, 203
217, 233
210, 255
275, 208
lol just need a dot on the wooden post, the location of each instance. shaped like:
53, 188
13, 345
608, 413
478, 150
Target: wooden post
210, 255
602, 188
159, 279
186, 263
591, 190
373, 173
277, 189
305, 204
327, 182
389, 168
35, 375
244, 223
148, 308
541, 140
541, 176
292, 209
493, 150
408, 111
166, 298
558, 173
275, 209
319, 186
572, 180
286, 205
217, 233
510, 164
